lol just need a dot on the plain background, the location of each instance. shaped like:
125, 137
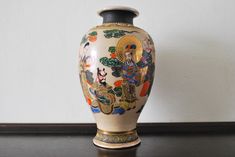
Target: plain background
39, 42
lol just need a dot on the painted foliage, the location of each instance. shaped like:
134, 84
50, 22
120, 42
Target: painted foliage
116, 33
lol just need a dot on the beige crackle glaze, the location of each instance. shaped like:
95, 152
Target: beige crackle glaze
116, 100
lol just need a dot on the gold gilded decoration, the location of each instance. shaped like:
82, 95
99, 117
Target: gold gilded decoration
116, 137
108, 25
105, 100
129, 40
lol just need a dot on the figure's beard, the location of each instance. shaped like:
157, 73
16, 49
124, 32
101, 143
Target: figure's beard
129, 61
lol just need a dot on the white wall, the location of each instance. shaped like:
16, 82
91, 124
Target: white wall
195, 76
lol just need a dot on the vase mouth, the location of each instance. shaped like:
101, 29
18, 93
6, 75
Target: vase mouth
118, 8
118, 14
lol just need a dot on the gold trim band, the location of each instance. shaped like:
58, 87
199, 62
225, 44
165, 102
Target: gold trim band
116, 133
116, 137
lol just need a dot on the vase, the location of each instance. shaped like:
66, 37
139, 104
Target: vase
116, 69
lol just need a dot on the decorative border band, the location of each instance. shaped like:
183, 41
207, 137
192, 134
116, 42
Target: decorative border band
116, 137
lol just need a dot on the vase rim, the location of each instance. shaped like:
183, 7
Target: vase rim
121, 8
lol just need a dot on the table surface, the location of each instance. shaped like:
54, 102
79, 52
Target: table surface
192, 145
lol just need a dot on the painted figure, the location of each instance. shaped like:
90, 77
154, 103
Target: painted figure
147, 61
133, 62
103, 92
86, 77
129, 74
101, 76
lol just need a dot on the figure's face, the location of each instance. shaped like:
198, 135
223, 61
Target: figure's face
147, 43
85, 49
128, 55
129, 51
102, 75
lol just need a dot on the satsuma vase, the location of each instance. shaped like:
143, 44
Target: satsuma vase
116, 64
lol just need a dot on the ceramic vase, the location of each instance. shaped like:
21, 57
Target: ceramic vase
116, 65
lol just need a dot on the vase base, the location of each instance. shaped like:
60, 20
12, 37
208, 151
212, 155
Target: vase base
116, 145
116, 140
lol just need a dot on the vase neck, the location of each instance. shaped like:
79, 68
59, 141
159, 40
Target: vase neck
118, 15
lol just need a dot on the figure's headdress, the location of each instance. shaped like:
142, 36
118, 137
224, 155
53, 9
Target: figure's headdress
129, 48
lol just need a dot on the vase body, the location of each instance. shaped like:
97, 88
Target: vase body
116, 69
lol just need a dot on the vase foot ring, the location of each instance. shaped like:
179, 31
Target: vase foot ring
116, 140
116, 145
